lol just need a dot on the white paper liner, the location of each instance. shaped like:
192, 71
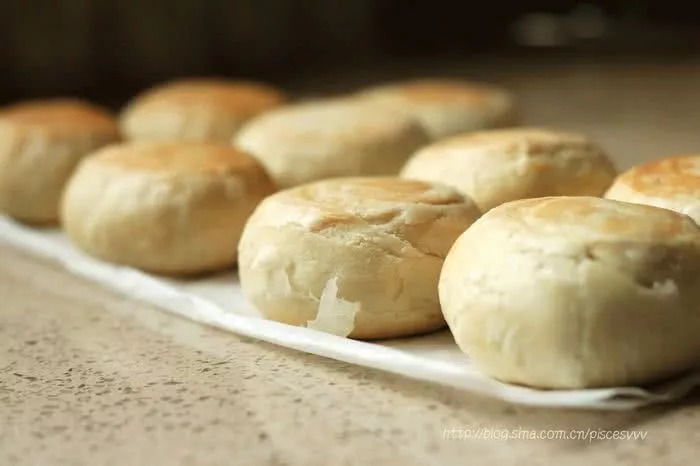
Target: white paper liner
217, 300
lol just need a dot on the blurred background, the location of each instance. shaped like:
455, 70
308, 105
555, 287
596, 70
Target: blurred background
613, 68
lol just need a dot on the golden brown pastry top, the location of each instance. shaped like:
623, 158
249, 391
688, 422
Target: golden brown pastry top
240, 97
436, 91
181, 157
60, 116
331, 121
513, 140
591, 217
365, 201
677, 176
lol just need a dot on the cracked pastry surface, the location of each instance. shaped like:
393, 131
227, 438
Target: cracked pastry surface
377, 243
172, 208
41, 142
576, 292
671, 182
497, 166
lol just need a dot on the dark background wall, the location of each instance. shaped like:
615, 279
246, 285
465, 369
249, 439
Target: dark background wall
108, 50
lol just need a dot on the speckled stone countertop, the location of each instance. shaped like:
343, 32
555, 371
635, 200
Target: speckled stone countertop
90, 377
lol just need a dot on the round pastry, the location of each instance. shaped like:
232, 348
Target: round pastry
448, 106
41, 142
576, 292
171, 208
672, 183
196, 110
357, 257
497, 166
331, 138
